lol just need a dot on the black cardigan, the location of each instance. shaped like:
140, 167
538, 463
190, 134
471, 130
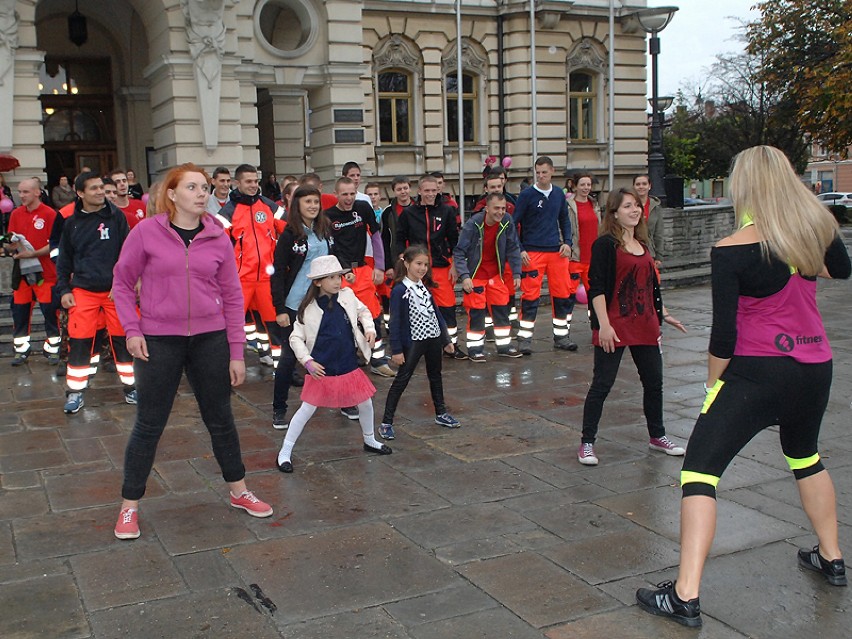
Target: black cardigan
602, 277
288, 259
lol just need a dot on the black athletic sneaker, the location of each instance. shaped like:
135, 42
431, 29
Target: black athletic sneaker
665, 603
833, 571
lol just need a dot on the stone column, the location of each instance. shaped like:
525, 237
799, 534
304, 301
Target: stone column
333, 145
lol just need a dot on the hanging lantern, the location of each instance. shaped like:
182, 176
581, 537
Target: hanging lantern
78, 32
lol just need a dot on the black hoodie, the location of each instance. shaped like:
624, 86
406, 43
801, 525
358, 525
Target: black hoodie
89, 249
435, 226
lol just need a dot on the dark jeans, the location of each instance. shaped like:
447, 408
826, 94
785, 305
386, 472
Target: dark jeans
286, 366
205, 358
649, 363
432, 349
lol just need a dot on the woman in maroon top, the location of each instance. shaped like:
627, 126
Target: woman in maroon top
627, 310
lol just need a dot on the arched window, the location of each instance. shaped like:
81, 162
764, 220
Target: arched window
470, 107
583, 106
395, 106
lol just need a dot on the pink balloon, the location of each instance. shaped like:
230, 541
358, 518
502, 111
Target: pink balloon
507, 162
6, 205
582, 295
145, 199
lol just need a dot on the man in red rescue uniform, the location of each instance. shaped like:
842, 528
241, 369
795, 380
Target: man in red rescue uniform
133, 209
254, 223
34, 221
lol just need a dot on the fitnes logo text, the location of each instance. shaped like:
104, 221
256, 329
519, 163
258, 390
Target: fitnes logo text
786, 343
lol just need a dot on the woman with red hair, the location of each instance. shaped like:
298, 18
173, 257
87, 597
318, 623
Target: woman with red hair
190, 318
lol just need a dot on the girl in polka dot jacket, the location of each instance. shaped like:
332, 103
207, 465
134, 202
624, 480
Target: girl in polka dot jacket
416, 330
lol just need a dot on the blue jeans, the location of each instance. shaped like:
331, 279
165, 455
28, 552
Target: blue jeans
206, 359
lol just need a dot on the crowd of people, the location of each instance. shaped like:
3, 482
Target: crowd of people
333, 281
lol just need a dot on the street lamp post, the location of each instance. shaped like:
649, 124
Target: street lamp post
653, 21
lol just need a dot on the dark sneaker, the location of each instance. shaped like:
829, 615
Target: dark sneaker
509, 351
477, 357
52, 358
564, 344
73, 403
833, 571
458, 353
279, 419
130, 397
664, 602
285, 466
20, 358
61, 368
525, 345
447, 421
350, 412
386, 431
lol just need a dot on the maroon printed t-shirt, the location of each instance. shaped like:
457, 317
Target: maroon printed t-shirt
631, 311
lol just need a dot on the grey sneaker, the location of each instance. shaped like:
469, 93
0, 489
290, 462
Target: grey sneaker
525, 345
447, 421
350, 412
564, 344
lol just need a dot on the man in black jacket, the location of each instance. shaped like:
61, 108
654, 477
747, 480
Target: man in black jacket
88, 250
432, 222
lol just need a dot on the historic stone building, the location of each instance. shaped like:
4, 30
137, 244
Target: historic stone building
298, 85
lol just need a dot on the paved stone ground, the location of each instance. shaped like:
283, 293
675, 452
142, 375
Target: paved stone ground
492, 530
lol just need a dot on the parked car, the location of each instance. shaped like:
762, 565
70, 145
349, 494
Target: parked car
694, 201
831, 199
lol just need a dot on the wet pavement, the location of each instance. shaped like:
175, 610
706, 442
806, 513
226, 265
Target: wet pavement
491, 530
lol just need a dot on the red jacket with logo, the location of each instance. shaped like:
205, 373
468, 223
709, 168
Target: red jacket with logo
36, 226
254, 223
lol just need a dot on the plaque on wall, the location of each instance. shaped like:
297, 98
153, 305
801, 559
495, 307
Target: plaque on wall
349, 136
342, 116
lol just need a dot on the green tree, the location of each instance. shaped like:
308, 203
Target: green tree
805, 48
735, 110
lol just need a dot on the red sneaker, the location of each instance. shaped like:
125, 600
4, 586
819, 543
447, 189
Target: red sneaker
127, 526
251, 504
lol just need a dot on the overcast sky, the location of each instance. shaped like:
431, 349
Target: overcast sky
700, 30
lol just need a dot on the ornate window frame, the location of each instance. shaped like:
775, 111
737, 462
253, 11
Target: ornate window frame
475, 63
396, 52
588, 56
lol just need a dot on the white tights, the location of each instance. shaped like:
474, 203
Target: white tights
306, 411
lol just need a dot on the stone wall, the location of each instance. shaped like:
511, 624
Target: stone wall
689, 234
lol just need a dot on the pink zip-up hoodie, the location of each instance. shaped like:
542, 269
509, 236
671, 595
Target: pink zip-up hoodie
185, 290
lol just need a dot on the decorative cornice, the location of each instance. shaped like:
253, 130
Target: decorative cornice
397, 51
586, 54
472, 59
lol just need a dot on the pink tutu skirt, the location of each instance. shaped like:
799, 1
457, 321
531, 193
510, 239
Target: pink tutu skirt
338, 391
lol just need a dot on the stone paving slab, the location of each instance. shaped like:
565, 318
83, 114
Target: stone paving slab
208, 615
491, 530
362, 566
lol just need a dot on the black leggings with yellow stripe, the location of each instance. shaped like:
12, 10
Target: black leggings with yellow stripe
752, 394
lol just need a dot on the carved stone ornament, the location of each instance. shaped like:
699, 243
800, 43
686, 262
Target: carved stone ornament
396, 51
472, 59
8, 46
205, 35
586, 54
